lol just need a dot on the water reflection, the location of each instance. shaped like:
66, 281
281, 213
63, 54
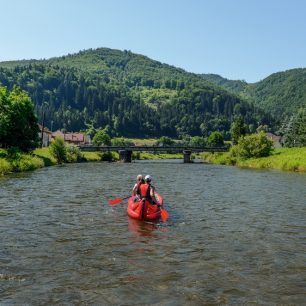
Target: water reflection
142, 228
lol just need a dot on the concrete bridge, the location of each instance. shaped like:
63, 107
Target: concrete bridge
125, 153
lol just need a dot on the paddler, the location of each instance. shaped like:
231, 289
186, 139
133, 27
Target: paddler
147, 191
136, 188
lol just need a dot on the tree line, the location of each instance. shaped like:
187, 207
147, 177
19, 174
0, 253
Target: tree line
130, 94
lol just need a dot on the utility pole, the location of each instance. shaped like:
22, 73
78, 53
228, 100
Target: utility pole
43, 123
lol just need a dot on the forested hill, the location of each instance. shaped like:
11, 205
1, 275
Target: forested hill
131, 94
233, 86
281, 93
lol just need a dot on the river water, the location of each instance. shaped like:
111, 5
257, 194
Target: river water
234, 237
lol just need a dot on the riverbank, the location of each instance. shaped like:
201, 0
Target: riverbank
287, 159
40, 158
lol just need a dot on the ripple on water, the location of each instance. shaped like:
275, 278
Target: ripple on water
234, 237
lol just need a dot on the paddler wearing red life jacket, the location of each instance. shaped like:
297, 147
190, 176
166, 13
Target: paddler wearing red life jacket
136, 188
147, 190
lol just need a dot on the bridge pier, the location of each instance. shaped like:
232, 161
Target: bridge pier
125, 156
187, 154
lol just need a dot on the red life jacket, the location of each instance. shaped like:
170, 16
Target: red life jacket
145, 191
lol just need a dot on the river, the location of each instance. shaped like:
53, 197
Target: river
234, 237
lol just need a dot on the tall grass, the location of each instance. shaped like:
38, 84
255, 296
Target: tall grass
148, 155
26, 163
288, 159
5, 166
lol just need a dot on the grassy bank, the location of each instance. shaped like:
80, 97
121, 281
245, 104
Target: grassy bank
42, 158
18, 162
288, 159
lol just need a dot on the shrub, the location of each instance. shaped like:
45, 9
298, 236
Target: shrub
73, 153
122, 142
215, 139
254, 145
197, 141
26, 163
13, 153
164, 141
5, 166
58, 150
109, 156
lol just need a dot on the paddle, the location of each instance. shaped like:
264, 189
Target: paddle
164, 215
117, 201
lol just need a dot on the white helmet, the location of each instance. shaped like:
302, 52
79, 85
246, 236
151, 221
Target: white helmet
148, 178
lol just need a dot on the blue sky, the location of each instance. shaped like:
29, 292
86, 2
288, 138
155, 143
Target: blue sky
238, 39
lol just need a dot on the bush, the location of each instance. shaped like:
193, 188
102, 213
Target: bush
13, 153
255, 145
197, 141
121, 142
164, 141
58, 150
109, 156
73, 153
27, 163
5, 166
215, 139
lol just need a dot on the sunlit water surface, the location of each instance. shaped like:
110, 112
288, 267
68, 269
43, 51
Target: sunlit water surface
233, 237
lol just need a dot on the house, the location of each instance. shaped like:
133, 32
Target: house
73, 138
44, 136
276, 139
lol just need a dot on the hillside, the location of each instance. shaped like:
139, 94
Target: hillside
280, 94
130, 93
235, 87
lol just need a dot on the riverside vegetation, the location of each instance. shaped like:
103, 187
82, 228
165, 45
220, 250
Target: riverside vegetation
255, 152
252, 151
109, 93
13, 160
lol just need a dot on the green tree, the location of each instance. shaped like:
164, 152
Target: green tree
18, 123
58, 150
294, 131
238, 129
215, 139
101, 138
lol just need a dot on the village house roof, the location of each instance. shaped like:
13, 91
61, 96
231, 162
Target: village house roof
70, 137
74, 137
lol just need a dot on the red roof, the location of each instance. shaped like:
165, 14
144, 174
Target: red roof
70, 137
74, 137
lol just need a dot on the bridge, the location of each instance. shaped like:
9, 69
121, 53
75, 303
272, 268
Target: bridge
125, 152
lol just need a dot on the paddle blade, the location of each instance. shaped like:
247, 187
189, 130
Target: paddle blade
115, 201
164, 215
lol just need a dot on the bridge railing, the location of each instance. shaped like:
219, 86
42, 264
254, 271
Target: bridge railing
145, 148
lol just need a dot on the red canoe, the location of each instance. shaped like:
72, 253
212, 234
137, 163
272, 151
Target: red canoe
143, 209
